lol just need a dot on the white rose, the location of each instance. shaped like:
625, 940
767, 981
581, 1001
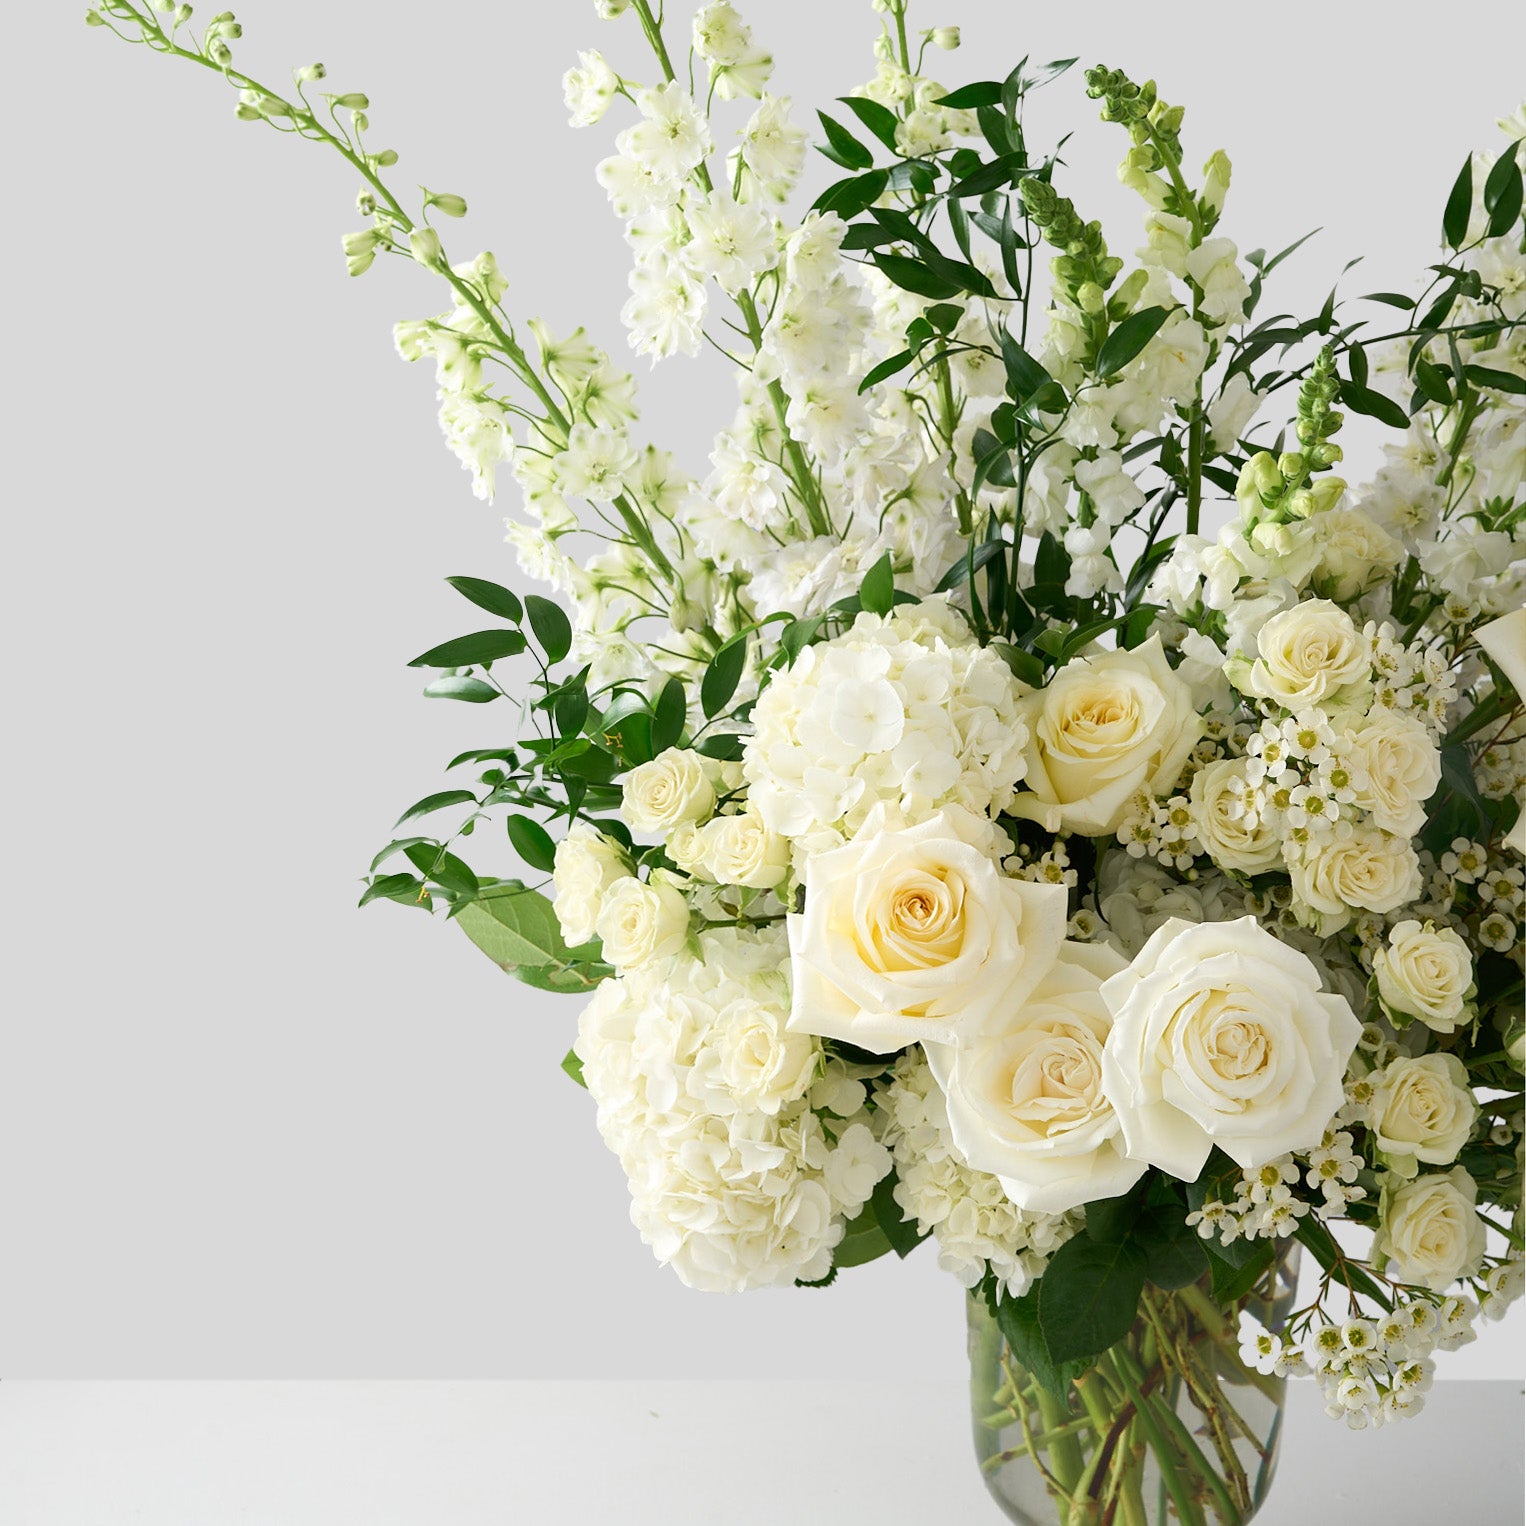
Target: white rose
1226, 820
1306, 654
1396, 769
1355, 554
911, 935
762, 1064
1106, 726
671, 789
1024, 1094
642, 923
1422, 1109
1371, 870
1425, 973
1222, 1036
1431, 1231
740, 850
587, 864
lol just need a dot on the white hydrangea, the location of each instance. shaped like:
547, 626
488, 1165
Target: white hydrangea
905, 710
974, 1222
747, 1150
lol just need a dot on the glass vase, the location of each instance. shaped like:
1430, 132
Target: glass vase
1169, 1425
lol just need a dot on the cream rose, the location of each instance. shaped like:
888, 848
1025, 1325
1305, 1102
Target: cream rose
912, 935
1106, 726
740, 850
761, 1063
1395, 768
1426, 974
673, 788
587, 864
642, 923
1222, 1036
1024, 1094
1306, 654
1372, 870
1422, 1109
1236, 838
1431, 1231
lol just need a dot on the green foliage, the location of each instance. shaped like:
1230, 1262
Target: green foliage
517, 929
1088, 1296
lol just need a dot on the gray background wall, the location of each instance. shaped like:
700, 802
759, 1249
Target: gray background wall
244, 1129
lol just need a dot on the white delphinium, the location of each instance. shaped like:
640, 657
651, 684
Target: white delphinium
589, 89
595, 464
665, 313
742, 1171
905, 710
737, 66
974, 1222
771, 153
729, 241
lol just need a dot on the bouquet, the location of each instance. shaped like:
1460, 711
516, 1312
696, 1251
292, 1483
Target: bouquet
1020, 795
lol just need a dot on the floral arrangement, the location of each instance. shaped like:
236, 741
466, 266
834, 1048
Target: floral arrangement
1020, 795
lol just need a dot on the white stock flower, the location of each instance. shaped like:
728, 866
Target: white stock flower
673, 788
915, 934
1227, 822
1355, 554
1024, 1092
1421, 1109
1367, 870
641, 924
1222, 1036
1106, 727
1426, 973
587, 864
1307, 654
1430, 1230
1395, 769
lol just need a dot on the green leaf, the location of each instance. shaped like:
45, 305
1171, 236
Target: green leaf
1018, 1321
1499, 381
886, 369
1454, 221
863, 1240
396, 846
880, 120
968, 97
574, 1067
1432, 382
668, 716
532, 842
476, 650
1457, 782
1232, 1279
1001, 171
1129, 338
969, 564
900, 1231
877, 592
722, 676
1109, 1220
397, 887
435, 803
472, 690
442, 868
842, 147
1502, 193
1392, 299
1026, 668
493, 597
848, 198
1374, 405
1025, 375
1088, 1296
1174, 1252
551, 626
914, 276
517, 929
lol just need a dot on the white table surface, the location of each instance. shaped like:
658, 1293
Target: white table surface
640, 1453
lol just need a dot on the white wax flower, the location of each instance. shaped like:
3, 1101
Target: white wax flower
1106, 726
1421, 1109
1024, 1092
914, 934
1222, 1036
1430, 1230
1425, 972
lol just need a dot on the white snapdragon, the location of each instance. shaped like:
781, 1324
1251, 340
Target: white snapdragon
1214, 268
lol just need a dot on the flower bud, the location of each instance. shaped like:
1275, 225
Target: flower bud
308, 73
1327, 492
385, 159
182, 15
1260, 482
360, 250
94, 18
1326, 454
945, 37
354, 100
365, 204
450, 205
425, 245
1301, 504
1515, 1047
1090, 297
1291, 464
1216, 180
219, 52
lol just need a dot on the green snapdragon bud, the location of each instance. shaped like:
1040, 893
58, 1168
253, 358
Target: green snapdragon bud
1216, 181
